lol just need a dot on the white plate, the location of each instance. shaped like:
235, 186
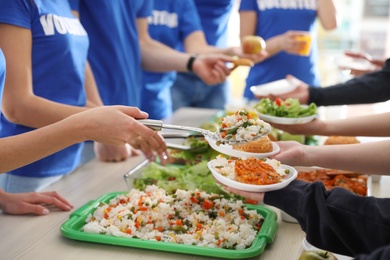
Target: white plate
307, 246
277, 87
345, 62
228, 150
286, 120
252, 187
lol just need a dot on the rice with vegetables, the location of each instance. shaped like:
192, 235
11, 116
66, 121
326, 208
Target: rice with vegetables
186, 217
241, 126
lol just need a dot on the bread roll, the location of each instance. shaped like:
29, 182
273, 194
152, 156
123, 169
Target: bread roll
335, 139
243, 62
261, 145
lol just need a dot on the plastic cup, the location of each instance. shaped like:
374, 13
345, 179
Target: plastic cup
305, 43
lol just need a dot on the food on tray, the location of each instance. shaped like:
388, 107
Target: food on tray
242, 126
250, 170
183, 177
354, 182
335, 139
200, 151
187, 217
289, 108
261, 145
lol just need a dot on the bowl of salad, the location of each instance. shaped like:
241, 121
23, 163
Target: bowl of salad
287, 112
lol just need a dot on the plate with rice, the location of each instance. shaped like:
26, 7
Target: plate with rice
252, 174
187, 222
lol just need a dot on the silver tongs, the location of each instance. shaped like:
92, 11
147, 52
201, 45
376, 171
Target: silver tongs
158, 125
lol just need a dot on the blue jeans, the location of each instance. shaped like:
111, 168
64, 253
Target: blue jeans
191, 91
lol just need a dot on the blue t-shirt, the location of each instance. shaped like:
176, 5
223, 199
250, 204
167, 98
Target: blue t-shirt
171, 22
215, 15
114, 53
277, 17
59, 53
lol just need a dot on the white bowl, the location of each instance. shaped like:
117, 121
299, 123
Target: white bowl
252, 187
286, 120
307, 246
287, 218
277, 87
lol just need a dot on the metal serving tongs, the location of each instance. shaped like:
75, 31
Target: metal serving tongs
158, 125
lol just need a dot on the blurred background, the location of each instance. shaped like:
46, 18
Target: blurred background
364, 25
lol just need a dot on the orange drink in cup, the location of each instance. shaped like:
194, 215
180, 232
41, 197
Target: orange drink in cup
305, 43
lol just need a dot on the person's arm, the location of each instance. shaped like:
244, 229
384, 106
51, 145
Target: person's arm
366, 125
20, 104
287, 41
158, 57
327, 14
336, 220
370, 158
194, 39
369, 88
110, 125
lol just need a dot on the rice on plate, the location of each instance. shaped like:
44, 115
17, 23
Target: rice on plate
227, 167
186, 217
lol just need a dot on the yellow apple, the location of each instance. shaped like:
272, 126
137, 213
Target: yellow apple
252, 44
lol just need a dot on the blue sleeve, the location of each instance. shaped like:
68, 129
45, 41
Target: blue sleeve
189, 19
145, 10
75, 5
248, 5
16, 12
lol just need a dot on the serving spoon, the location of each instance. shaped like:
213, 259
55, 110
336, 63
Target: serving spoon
158, 125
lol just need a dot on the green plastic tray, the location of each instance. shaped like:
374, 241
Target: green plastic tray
72, 229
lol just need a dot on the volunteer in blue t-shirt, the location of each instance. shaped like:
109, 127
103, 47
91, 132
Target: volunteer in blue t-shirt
278, 23
189, 90
113, 33
46, 49
170, 23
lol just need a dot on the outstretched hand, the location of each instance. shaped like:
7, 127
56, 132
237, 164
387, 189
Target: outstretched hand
291, 153
211, 68
301, 92
373, 64
32, 202
118, 126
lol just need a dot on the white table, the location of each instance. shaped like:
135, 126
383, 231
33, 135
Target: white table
32, 237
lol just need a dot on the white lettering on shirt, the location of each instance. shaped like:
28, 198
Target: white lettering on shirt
52, 23
287, 4
163, 18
